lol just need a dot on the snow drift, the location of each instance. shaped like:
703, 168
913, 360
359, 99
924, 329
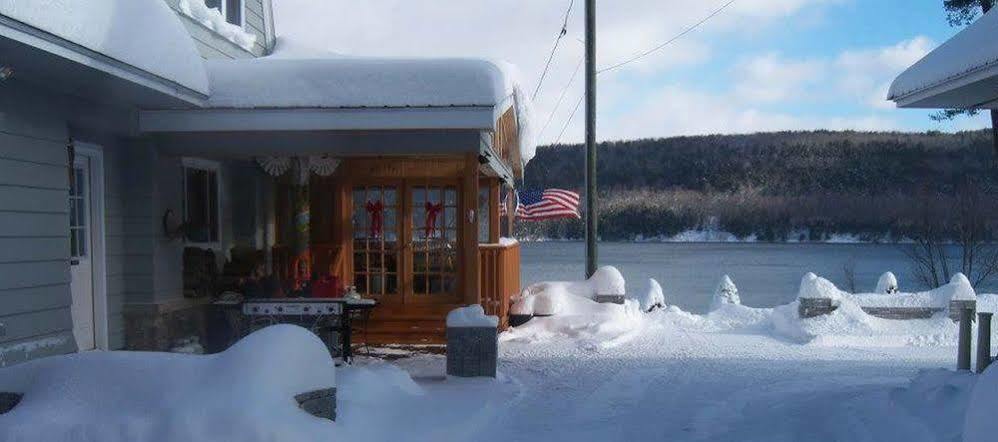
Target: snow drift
245, 393
549, 298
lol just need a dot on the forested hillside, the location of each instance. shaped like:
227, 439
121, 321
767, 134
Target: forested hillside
774, 186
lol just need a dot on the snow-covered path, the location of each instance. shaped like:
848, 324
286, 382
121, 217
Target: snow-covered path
670, 383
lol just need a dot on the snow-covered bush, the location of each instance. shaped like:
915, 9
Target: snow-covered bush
725, 293
653, 298
546, 298
245, 393
887, 284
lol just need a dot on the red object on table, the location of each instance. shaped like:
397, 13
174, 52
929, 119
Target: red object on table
328, 286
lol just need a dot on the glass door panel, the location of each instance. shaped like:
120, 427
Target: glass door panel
434, 240
376, 236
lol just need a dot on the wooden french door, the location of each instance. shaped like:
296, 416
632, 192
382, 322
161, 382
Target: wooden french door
406, 241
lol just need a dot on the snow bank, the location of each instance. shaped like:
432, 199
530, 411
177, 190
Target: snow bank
958, 288
213, 19
591, 324
471, 316
545, 298
726, 293
887, 284
143, 33
245, 393
653, 297
980, 424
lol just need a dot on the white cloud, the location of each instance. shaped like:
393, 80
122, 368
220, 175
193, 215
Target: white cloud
770, 78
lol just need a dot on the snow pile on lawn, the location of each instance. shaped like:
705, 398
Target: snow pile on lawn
726, 293
143, 33
850, 325
547, 298
471, 316
213, 19
245, 393
653, 298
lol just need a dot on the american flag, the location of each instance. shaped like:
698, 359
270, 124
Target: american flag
550, 204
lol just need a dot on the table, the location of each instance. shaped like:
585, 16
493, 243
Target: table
278, 309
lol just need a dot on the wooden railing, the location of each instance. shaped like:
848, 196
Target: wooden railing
500, 276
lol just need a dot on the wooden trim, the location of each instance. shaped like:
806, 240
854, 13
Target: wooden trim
494, 219
469, 231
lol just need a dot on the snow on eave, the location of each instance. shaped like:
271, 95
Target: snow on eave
316, 80
144, 34
972, 50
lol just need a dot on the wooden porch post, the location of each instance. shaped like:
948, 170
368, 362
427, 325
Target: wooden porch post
469, 198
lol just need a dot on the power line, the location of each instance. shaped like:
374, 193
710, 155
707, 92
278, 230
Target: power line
564, 91
669, 41
569, 121
640, 56
557, 41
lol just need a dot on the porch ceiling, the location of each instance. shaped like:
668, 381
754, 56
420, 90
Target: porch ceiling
336, 143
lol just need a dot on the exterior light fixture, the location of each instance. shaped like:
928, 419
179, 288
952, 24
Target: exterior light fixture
6, 72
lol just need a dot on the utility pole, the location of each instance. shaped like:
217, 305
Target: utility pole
592, 255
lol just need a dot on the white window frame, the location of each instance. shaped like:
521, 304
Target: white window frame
211, 166
223, 6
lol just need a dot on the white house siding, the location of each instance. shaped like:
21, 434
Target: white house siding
213, 45
34, 247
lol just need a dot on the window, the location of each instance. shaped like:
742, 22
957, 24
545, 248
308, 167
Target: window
484, 214
231, 9
78, 215
201, 200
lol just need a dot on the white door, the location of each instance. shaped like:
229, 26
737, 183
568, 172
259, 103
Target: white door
81, 251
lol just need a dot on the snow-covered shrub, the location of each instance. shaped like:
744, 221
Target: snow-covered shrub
245, 393
980, 424
545, 298
653, 298
725, 293
887, 284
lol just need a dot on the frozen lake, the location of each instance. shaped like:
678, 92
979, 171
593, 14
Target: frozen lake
766, 274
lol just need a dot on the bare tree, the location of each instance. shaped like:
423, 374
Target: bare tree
961, 234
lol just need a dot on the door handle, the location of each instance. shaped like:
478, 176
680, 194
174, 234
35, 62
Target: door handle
74, 262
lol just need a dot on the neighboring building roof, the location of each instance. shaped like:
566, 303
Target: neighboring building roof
145, 34
952, 74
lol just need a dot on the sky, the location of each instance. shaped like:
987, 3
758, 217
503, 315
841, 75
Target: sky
760, 65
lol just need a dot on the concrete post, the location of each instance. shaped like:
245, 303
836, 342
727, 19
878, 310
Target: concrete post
983, 341
963, 350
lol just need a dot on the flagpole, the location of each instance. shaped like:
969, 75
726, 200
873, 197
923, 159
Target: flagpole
592, 254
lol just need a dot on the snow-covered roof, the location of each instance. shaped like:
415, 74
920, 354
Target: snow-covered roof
351, 82
145, 34
343, 82
956, 63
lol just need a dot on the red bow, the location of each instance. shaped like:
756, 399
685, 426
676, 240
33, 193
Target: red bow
374, 212
432, 210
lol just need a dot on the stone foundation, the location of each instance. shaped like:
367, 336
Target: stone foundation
319, 403
609, 299
811, 307
158, 327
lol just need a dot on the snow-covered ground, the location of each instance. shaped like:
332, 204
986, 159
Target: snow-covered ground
679, 377
589, 372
